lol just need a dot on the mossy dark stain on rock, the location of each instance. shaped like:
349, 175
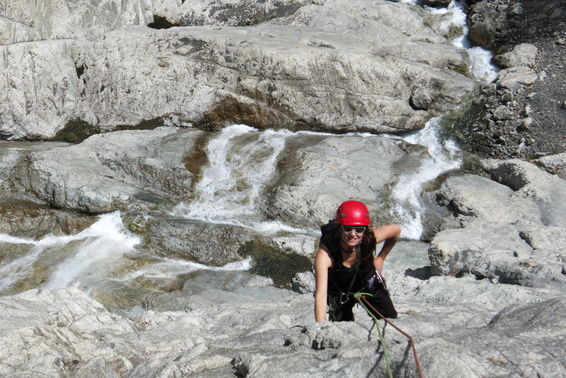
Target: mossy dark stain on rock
197, 158
269, 260
254, 114
148, 124
77, 130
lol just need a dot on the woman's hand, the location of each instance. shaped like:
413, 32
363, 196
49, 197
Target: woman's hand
378, 263
388, 234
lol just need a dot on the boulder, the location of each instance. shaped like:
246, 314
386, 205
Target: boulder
319, 167
328, 67
504, 226
504, 254
521, 55
516, 77
104, 173
533, 184
554, 164
473, 198
204, 243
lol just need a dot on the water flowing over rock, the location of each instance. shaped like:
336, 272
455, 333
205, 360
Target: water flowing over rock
165, 167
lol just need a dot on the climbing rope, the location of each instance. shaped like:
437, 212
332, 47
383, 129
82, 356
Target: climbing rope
361, 298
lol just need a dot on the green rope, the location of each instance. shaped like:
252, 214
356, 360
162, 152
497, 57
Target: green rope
357, 296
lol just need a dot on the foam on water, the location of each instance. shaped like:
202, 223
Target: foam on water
104, 243
242, 160
443, 156
167, 268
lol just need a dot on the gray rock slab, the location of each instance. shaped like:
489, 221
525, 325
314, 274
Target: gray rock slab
328, 66
319, 169
533, 184
474, 198
112, 171
65, 332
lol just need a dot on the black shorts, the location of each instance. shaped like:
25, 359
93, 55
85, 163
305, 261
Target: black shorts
343, 312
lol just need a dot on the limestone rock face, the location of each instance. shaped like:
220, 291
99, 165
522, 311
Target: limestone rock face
336, 66
231, 323
512, 232
317, 169
110, 171
531, 183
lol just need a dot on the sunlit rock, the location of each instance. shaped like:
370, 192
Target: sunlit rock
332, 67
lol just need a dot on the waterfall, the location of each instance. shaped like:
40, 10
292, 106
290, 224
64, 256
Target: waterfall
242, 160
482, 68
443, 156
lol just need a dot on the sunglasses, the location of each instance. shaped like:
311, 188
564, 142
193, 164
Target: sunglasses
358, 229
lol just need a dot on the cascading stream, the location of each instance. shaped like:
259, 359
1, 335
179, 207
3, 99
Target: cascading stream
242, 161
103, 245
443, 154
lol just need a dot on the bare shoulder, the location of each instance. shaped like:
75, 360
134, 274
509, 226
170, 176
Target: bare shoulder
323, 258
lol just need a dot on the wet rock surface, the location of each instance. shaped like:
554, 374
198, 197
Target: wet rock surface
484, 297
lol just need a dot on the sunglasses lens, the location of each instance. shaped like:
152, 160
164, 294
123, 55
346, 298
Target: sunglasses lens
358, 229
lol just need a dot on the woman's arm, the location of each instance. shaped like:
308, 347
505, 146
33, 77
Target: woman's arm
390, 234
322, 263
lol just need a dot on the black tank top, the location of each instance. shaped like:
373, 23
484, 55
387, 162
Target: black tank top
340, 277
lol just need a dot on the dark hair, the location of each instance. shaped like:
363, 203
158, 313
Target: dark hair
368, 247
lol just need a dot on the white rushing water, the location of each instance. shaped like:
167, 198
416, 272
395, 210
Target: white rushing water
103, 246
96, 248
167, 268
242, 160
455, 19
93, 255
444, 155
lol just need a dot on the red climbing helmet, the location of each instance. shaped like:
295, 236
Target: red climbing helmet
352, 213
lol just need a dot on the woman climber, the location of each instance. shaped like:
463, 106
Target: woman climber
345, 264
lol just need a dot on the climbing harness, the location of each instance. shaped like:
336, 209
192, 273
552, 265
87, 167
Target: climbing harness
361, 298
